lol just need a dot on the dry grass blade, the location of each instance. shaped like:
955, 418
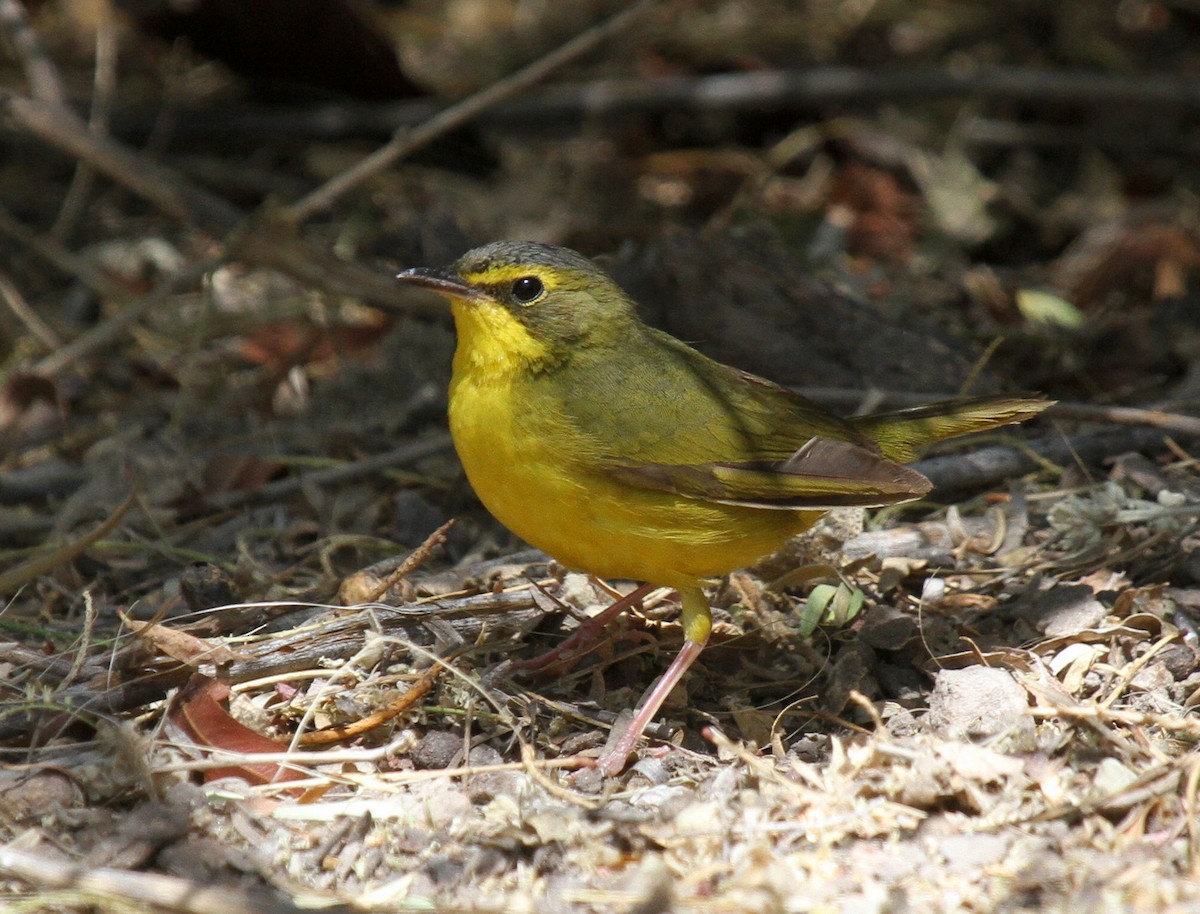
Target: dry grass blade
416, 692
36, 567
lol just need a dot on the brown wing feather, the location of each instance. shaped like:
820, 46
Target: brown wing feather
821, 474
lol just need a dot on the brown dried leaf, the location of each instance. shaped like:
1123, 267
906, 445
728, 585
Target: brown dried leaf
199, 712
187, 649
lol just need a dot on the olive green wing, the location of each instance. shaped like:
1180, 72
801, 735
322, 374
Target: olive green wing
656, 400
657, 415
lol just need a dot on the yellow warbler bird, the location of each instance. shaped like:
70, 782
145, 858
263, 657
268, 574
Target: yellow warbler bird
625, 453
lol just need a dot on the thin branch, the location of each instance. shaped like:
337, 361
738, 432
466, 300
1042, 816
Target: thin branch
419, 557
107, 332
104, 87
26, 315
55, 254
20, 575
267, 242
405, 142
773, 89
1095, 133
367, 466
44, 81
1129, 415
785, 90
59, 127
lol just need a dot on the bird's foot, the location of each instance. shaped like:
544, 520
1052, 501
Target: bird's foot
584, 638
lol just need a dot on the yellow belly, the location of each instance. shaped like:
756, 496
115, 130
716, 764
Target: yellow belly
532, 472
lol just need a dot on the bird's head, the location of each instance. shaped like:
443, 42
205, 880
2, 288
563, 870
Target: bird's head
526, 301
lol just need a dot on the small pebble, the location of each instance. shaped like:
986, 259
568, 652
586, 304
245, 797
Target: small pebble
982, 704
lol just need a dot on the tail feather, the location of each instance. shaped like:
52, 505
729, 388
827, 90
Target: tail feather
902, 433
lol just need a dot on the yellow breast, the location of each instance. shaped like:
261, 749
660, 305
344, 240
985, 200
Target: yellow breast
536, 473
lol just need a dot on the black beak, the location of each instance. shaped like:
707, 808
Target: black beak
440, 281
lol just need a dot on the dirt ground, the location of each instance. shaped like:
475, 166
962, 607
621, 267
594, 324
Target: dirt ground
247, 666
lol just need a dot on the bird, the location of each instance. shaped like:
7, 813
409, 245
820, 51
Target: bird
625, 453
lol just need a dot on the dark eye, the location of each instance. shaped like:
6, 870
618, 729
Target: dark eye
527, 288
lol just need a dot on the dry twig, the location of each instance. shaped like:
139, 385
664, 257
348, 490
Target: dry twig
339, 732
405, 142
267, 243
140, 889
419, 557
752, 90
44, 81
176, 197
401, 456
108, 331
104, 86
26, 315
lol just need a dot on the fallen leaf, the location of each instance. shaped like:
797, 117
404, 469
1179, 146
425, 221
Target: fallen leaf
187, 649
200, 713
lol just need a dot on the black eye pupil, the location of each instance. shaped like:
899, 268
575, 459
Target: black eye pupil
527, 288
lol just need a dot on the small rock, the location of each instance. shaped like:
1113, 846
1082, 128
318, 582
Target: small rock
660, 795
445, 807
206, 585
1153, 677
982, 704
853, 671
1180, 660
444, 869
28, 797
483, 788
577, 590
201, 860
922, 785
1112, 776
725, 784
588, 780
437, 749
810, 748
652, 887
888, 629
1064, 610
900, 682
139, 835
900, 721
968, 853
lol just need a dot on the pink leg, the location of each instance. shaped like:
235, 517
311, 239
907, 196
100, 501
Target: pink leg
697, 621
586, 636
613, 761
